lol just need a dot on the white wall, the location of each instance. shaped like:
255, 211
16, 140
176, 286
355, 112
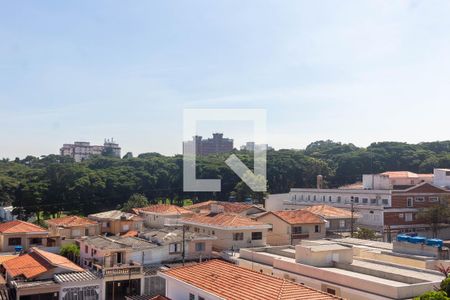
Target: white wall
179, 290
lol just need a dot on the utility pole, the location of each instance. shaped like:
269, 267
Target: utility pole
352, 220
183, 253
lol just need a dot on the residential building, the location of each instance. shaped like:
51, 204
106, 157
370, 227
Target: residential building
343, 270
70, 228
170, 241
219, 280
116, 222
232, 231
289, 227
80, 151
155, 216
215, 145
25, 235
337, 219
213, 206
36, 275
395, 180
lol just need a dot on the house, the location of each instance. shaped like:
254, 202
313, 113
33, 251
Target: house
337, 219
170, 241
72, 227
348, 268
116, 222
37, 275
239, 208
216, 279
156, 216
291, 226
232, 231
23, 234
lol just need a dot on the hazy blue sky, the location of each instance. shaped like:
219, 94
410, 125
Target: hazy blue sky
351, 71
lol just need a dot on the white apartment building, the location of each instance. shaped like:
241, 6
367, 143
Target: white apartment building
80, 151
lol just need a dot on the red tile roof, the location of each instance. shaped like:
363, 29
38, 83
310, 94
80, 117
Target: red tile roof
164, 209
222, 220
36, 263
20, 227
231, 282
71, 221
329, 212
298, 216
132, 233
228, 207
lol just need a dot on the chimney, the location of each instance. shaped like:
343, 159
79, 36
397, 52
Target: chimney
319, 181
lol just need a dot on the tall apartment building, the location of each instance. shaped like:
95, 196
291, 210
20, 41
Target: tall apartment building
216, 144
80, 151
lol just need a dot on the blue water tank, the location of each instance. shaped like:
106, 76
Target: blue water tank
18, 249
435, 242
402, 238
417, 240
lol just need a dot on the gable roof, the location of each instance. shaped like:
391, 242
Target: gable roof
228, 207
118, 242
424, 185
298, 216
164, 209
224, 221
18, 226
231, 282
115, 215
71, 221
330, 212
38, 262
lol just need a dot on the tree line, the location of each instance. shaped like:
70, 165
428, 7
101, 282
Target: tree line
52, 184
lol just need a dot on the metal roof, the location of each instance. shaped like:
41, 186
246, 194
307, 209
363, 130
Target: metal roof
75, 276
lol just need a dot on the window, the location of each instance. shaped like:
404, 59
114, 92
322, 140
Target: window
256, 236
213, 232
309, 197
14, 241
339, 199
105, 224
408, 217
76, 232
86, 249
196, 230
317, 228
433, 199
314, 198
329, 198
271, 228
420, 199
36, 241
297, 230
201, 298
331, 291
373, 201
199, 247
191, 296
385, 201
125, 227
365, 200
409, 202
238, 236
341, 223
175, 248
356, 200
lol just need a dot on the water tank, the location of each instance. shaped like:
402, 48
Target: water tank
18, 249
435, 242
417, 240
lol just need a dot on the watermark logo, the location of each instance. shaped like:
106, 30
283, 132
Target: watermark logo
255, 180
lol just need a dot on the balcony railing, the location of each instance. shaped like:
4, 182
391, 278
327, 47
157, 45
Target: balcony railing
299, 236
125, 269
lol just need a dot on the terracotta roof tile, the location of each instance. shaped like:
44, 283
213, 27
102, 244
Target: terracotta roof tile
131, 233
36, 263
20, 227
71, 221
329, 212
4, 258
229, 207
232, 282
164, 209
222, 220
298, 216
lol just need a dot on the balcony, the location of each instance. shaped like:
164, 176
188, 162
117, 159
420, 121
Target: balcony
120, 270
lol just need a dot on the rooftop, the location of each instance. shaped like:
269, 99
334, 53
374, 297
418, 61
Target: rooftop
164, 235
71, 221
329, 212
223, 220
228, 207
232, 282
38, 262
118, 242
299, 216
18, 226
75, 276
115, 215
164, 209
404, 174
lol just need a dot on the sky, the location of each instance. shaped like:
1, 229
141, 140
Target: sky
351, 71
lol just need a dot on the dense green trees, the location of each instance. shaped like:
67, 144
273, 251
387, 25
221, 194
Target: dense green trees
53, 184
